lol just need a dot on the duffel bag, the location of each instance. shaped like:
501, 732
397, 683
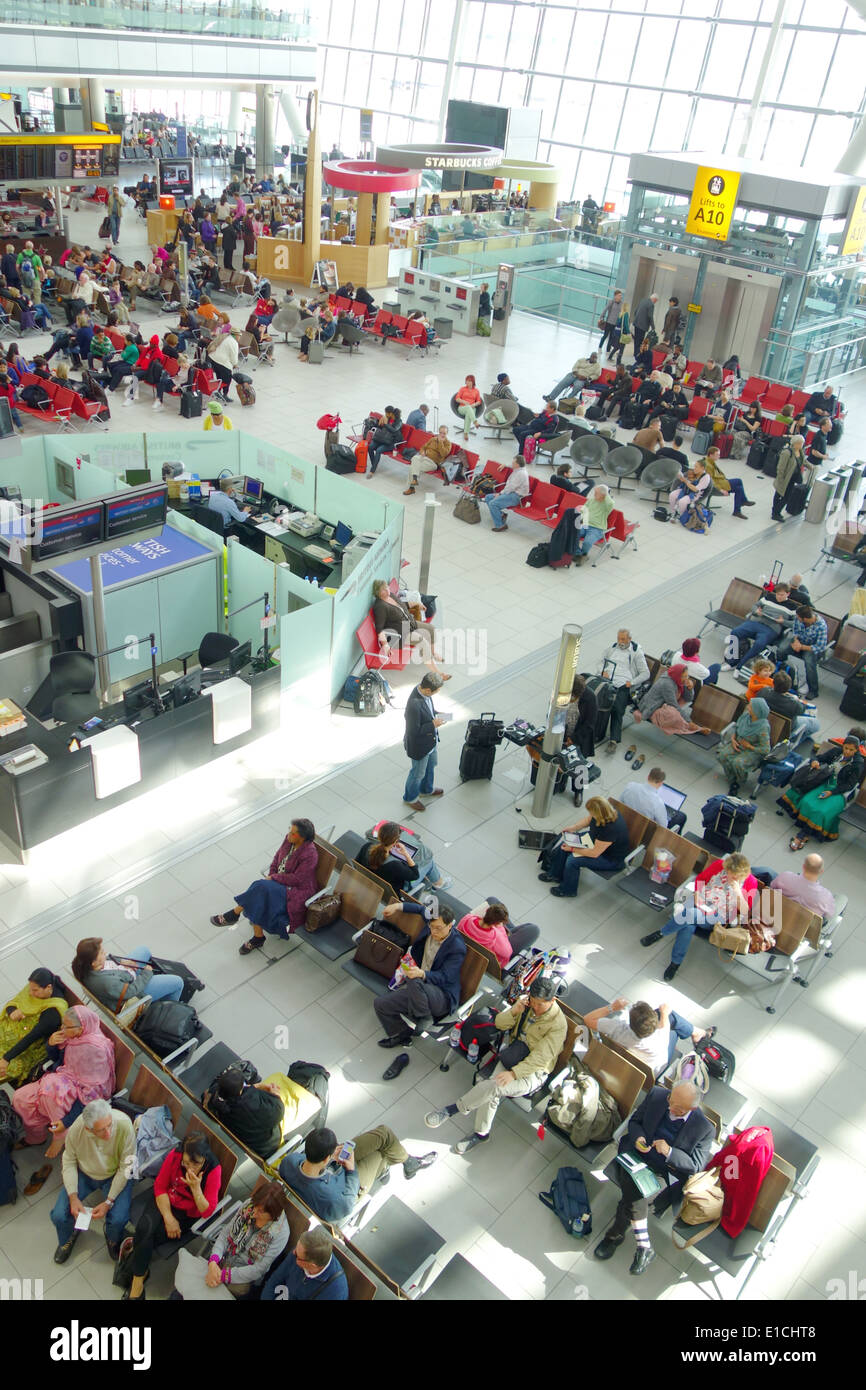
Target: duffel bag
166, 1025
323, 911
467, 510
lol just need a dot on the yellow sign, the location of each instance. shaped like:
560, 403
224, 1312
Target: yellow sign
855, 233
714, 198
693, 308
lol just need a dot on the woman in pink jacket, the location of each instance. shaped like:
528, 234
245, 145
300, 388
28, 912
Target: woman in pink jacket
276, 905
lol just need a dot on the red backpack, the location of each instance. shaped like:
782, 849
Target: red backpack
743, 1163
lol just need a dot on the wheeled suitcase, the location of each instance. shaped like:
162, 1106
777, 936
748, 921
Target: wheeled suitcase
361, 453
795, 498
723, 443
701, 442
757, 453
853, 702
770, 465
726, 822
668, 426
484, 732
605, 694
476, 763
246, 392
316, 352
190, 403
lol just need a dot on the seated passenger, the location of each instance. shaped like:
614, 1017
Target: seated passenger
429, 459
394, 621
649, 1032
85, 1072
277, 903
816, 809
432, 987
761, 678
115, 981
310, 1271
645, 798
742, 751
583, 371
242, 1253
804, 721
26, 1024
723, 894
489, 929
662, 703
186, 1188
539, 1044
254, 1113
610, 845
594, 518
542, 426
672, 1136
98, 1158
401, 867
331, 1177
693, 486
688, 655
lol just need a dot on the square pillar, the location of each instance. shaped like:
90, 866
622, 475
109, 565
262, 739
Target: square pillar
383, 209
364, 222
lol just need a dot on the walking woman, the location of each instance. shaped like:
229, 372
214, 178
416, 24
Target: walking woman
276, 905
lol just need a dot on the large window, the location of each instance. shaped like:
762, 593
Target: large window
610, 77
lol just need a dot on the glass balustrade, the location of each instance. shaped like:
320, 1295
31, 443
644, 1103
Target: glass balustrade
213, 18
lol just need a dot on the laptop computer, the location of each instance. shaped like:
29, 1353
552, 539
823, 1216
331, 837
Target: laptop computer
672, 798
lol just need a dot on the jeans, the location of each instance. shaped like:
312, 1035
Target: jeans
803, 724
499, 503
568, 382
431, 874
420, 779
807, 655
757, 634
161, 986
42, 316
114, 220
374, 455
588, 537
618, 709
118, 371
115, 1220
567, 866
684, 931
681, 1030
738, 492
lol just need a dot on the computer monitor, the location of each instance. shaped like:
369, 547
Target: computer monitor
253, 488
186, 688
240, 657
343, 534
672, 798
136, 477
137, 697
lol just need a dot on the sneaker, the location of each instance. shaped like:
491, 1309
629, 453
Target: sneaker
446, 881
670, 972
611, 746
651, 940
644, 1257
414, 1165
726, 666
463, 1146
127, 400
157, 405
434, 1118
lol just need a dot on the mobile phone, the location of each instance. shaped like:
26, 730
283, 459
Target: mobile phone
658, 900
93, 723
347, 1148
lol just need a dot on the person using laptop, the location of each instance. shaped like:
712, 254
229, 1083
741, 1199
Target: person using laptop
648, 799
221, 501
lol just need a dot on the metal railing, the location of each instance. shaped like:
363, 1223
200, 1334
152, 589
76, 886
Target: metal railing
833, 361
815, 351
210, 18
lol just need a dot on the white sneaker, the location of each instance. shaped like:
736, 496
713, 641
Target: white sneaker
157, 405
726, 666
127, 400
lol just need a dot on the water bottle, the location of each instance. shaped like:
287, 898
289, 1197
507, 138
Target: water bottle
472, 1053
454, 1036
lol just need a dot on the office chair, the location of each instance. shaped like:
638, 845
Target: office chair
211, 520
73, 677
213, 649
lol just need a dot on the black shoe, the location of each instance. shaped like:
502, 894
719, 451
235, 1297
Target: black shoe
62, 1253
651, 940
559, 892
644, 1257
400, 1062
400, 1041
670, 972
547, 878
608, 1247
748, 504
126, 1297
414, 1165
113, 1248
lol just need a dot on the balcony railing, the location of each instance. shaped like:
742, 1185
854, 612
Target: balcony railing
210, 18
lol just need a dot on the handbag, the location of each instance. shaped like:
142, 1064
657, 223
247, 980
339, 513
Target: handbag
602, 324
703, 1200
807, 778
737, 940
760, 938
378, 954
467, 510
323, 911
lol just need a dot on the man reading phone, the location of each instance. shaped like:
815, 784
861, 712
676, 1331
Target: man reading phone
331, 1180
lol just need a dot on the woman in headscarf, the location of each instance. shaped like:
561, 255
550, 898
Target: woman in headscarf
838, 773
747, 745
26, 1024
662, 702
689, 656
580, 717
277, 903
85, 1073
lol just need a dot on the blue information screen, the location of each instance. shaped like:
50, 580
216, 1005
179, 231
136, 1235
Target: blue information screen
135, 513
68, 528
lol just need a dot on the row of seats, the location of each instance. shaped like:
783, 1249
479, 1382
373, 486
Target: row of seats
65, 405
410, 332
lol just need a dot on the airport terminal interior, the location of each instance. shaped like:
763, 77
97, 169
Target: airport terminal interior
678, 179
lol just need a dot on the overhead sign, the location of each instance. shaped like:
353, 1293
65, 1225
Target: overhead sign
855, 233
450, 156
366, 125
714, 198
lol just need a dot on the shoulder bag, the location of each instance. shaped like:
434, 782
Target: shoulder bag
703, 1199
378, 954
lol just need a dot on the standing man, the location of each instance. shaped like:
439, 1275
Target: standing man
610, 318
100, 1147
625, 666
673, 322
420, 739
643, 320
115, 213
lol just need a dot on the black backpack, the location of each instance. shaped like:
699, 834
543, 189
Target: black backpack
166, 1025
539, 556
314, 1078
35, 396
372, 695
568, 1199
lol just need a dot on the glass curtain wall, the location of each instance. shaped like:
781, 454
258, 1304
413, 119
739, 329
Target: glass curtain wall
609, 76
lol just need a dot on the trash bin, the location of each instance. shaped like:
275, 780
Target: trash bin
444, 327
823, 489
392, 308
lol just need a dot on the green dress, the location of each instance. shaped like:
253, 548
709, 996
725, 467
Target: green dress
14, 1031
817, 814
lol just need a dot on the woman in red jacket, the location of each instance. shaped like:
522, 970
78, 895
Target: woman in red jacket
277, 903
186, 1189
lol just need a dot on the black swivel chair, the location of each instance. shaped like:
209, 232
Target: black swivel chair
214, 649
207, 517
69, 692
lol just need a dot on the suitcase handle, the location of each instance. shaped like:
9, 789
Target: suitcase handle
491, 714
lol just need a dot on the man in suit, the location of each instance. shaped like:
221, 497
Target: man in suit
672, 1136
432, 986
420, 739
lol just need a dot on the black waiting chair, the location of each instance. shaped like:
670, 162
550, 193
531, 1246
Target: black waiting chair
622, 462
211, 520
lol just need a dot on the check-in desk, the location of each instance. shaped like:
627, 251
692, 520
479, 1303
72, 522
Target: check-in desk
61, 792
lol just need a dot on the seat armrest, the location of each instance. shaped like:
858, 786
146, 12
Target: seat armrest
198, 1227
321, 893
190, 1044
286, 1147
635, 855
224, 1213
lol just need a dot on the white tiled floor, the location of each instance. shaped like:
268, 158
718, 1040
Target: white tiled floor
157, 870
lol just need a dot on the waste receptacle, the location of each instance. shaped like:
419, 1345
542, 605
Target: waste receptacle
444, 327
823, 489
392, 308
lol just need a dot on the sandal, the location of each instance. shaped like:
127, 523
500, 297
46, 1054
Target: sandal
796, 842
224, 919
630, 752
38, 1180
255, 943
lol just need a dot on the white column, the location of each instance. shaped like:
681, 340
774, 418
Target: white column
264, 129
235, 126
93, 102
292, 115
853, 160
449, 70
761, 80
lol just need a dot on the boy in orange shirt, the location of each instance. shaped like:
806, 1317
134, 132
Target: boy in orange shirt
761, 678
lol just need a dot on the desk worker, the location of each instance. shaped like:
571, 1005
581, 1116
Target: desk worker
226, 505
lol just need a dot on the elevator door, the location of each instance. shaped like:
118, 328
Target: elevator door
737, 308
663, 273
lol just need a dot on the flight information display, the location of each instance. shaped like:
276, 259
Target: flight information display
140, 509
60, 158
61, 530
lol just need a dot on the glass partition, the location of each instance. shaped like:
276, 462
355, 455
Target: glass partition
216, 18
